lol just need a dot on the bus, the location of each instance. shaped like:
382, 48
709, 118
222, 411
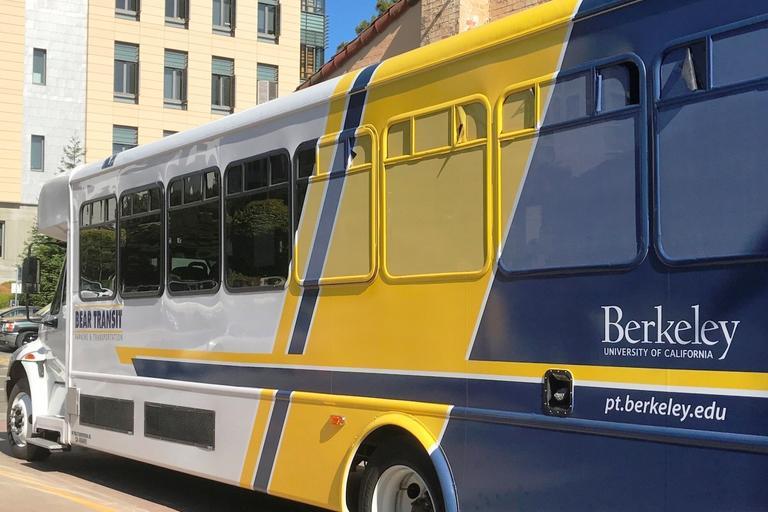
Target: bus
523, 268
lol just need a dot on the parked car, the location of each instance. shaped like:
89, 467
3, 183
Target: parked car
18, 331
15, 311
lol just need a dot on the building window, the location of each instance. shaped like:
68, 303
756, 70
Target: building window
194, 233
313, 6
2, 239
266, 76
177, 12
124, 137
37, 153
168, 133
141, 242
98, 249
311, 59
222, 85
128, 9
175, 80
269, 20
126, 72
38, 66
224, 16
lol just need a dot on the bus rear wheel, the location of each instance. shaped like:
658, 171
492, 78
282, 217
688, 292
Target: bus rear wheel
399, 477
19, 424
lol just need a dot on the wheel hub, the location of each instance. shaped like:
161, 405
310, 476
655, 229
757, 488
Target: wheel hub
19, 420
401, 489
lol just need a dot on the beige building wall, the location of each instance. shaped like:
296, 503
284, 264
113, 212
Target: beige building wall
11, 104
18, 220
500, 8
154, 37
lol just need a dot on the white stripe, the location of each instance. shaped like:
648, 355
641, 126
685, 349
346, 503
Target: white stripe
508, 226
439, 440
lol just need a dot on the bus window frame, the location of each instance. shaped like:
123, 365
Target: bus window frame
638, 110
225, 231
164, 244
711, 91
114, 295
168, 208
304, 146
415, 156
320, 177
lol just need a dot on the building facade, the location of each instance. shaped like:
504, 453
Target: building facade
410, 24
117, 73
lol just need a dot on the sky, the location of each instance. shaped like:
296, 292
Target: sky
343, 17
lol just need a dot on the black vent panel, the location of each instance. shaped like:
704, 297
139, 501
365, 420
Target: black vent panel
107, 413
180, 424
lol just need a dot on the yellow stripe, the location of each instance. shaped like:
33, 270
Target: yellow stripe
609, 374
56, 491
257, 436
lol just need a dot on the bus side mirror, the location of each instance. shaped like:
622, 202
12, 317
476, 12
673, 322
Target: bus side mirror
30, 275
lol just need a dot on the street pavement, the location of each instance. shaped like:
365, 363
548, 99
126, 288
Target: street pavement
86, 480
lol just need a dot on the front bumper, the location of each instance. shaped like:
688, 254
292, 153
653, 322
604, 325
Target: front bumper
8, 339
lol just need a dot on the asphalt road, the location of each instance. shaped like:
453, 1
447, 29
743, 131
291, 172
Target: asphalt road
86, 480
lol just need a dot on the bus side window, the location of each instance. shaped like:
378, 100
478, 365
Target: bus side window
194, 233
712, 153
98, 249
258, 223
141, 243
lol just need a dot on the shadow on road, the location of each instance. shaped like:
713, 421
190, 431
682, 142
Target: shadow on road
171, 489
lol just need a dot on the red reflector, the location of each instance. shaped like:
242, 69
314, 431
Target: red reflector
338, 421
30, 356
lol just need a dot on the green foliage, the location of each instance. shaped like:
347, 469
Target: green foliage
73, 154
382, 6
261, 218
51, 254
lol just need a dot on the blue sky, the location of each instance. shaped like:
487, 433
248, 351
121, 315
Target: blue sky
344, 15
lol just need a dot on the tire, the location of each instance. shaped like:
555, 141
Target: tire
400, 463
24, 338
16, 412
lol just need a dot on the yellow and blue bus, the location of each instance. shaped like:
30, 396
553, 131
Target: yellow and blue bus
524, 268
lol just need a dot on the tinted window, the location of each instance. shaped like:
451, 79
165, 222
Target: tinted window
258, 224
618, 87
740, 56
567, 99
579, 202
712, 177
193, 233
98, 249
684, 70
305, 167
141, 242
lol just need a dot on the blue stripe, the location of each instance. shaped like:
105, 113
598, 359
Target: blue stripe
330, 208
512, 402
272, 440
303, 320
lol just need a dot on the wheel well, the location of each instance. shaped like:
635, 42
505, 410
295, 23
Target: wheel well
375, 439
15, 374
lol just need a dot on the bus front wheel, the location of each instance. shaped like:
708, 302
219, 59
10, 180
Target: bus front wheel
399, 477
19, 424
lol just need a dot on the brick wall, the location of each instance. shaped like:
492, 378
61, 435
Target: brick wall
445, 18
439, 19
500, 8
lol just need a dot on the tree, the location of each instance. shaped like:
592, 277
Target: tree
51, 254
382, 6
73, 154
